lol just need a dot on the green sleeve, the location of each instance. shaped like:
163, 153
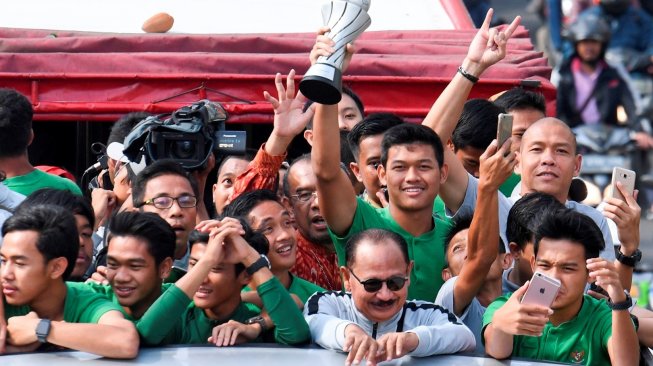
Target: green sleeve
290, 326
105, 290
361, 221
489, 313
158, 325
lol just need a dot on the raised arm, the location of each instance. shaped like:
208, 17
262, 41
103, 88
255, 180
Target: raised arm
486, 49
483, 236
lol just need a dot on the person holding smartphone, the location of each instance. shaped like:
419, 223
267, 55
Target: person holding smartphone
576, 327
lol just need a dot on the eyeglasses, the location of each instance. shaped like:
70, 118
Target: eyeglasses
394, 283
304, 196
165, 202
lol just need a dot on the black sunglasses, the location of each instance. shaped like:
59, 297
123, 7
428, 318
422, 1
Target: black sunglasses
394, 283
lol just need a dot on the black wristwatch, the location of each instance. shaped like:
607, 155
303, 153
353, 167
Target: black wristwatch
624, 305
43, 330
258, 320
263, 261
630, 260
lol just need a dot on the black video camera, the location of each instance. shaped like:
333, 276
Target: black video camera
188, 136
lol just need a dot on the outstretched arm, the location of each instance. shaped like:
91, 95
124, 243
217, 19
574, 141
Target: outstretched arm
483, 236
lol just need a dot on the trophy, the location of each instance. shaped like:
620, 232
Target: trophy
347, 19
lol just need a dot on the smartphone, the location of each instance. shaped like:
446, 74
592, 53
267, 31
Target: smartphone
626, 178
504, 128
542, 290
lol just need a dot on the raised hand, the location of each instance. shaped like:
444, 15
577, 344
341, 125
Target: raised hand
324, 47
496, 164
516, 318
489, 44
626, 215
604, 274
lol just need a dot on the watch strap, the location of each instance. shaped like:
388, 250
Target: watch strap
43, 330
261, 262
624, 305
258, 320
629, 260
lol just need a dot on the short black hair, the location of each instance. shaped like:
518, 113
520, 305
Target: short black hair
477, 125
56, 228
346, 91
76, 204
15, 123
458, 224
375, 236
150, 227
409, 134
245, 203
123, 126
519, 98
157, 169
526, 215
286, 188
248, 156
372, 125
254, 238
569, 224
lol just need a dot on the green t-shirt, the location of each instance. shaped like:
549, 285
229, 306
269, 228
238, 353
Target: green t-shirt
582, 340
37, 179
302, 288
81, 306
194, 327
509, 185
427, 250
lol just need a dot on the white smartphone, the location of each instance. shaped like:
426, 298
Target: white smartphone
504, 128
542, 290
626, 178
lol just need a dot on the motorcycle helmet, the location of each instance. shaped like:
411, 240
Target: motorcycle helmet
590, 27
614, 7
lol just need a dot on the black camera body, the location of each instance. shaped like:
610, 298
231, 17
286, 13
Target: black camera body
188, 136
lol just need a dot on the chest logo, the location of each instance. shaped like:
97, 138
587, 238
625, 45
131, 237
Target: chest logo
577, 356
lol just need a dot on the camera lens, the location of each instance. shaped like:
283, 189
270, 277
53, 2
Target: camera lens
183, 149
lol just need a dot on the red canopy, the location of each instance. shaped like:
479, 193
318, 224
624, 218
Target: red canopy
98, 77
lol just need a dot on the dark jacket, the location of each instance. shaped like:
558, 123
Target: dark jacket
611, 92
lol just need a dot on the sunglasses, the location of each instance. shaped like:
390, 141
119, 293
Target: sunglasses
394, 283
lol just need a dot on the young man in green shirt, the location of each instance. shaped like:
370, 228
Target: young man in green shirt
217, 273
576, 328
38, 253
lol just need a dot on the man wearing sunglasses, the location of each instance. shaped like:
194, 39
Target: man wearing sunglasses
373, 320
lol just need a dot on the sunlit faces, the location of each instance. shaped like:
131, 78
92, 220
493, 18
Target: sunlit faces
547, 160
380, 260
224, 187
412, 176
302, 182
85, 255
369, 159
348, 113
522, 119
133, 273
24, 272
564, 260
219, 293
182, 220
273, 220
471, 159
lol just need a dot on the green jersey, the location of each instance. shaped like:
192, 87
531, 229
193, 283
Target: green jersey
81, 306
298, 286
582, 340
427, 250
37, 179
174, 318
509, 185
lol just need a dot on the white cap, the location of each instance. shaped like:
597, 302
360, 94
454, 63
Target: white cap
114, 151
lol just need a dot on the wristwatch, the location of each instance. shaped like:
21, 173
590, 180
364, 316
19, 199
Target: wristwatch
258, 320
630, 260
263, 261
43, 330
624, 305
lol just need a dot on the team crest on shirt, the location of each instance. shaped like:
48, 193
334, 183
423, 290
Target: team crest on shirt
577, 356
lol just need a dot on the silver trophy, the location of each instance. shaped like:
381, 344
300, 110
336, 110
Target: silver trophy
347, 19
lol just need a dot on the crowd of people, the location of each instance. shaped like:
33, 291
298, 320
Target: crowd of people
409, 239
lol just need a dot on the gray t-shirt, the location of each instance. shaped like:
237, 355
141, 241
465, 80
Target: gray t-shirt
469, 205
472, 317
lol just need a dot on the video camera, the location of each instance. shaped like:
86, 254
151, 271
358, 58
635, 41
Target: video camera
188, 136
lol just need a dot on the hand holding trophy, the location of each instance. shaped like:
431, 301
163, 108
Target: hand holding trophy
347, 19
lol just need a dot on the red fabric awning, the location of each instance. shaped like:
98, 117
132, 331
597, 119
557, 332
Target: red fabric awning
98, 77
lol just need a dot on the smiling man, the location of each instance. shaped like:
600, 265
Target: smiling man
373, 320
576, 328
